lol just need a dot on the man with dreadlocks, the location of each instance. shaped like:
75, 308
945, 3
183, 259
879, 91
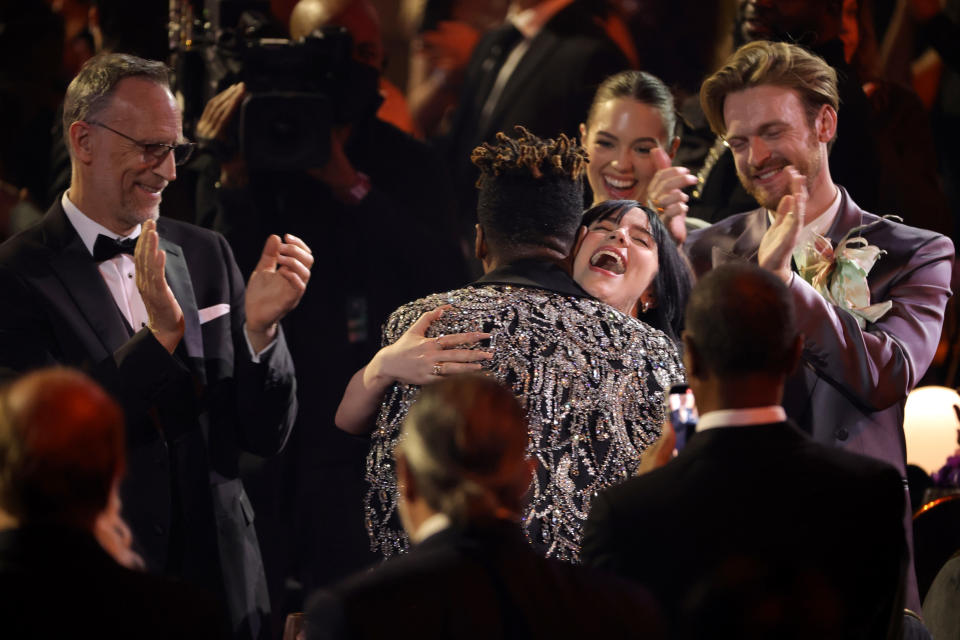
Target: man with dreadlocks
591, 379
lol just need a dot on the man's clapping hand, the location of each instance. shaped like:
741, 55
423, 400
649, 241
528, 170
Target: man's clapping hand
778, 243
276, 286
163, 311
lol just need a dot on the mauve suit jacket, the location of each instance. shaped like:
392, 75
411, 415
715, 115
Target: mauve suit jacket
852, 384
188, 414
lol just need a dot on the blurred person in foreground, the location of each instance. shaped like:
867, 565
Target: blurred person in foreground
463, 471
61, 461
759, 544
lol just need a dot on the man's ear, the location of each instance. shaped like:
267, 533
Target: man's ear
480, 244
691, 358
581, 234
406, 483
826, 123
81, 142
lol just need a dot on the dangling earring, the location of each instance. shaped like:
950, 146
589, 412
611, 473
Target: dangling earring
646, 306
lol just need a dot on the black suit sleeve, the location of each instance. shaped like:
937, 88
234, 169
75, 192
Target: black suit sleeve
599, 532
138, 373
265, 393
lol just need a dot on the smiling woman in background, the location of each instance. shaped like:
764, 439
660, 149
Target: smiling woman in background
631, 134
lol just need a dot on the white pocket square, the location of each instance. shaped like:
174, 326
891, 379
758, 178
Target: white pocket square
217, 310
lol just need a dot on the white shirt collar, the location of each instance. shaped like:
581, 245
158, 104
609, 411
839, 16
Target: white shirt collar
434, 524
87, 228
741, 417
530, 21
822, 223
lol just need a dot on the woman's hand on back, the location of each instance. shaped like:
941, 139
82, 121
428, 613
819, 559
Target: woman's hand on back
416, 359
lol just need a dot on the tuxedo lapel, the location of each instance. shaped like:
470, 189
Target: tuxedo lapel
76, 269
178, 277
848, 217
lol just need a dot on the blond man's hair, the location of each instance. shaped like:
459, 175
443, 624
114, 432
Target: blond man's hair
770, 63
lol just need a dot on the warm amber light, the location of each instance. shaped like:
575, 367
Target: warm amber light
930, 425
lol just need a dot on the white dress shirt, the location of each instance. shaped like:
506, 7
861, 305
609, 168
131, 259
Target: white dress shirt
741, 417
118, 273
434, 524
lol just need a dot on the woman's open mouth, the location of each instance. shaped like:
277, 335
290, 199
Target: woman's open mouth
609, 261
619, 188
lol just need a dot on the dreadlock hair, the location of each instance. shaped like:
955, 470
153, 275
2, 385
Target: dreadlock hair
531, 190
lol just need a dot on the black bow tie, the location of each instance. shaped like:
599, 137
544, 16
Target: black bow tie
106, 247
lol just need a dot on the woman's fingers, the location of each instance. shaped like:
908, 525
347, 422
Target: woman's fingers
424, 321
464, 355
453, 368
461, 339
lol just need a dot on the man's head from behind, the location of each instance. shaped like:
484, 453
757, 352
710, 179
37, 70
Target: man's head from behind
740, 326
462, 453
531, 195
61, 448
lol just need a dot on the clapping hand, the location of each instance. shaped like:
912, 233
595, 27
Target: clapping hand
666, 196
778, 243
276, 286
416, 359
163, 311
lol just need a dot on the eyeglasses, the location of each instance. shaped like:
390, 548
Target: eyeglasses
156, 151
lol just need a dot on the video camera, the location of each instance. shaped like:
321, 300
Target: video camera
297, 91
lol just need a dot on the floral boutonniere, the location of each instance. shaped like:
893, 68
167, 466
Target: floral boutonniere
840, 274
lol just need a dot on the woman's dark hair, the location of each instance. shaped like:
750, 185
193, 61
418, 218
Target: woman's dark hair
674, 278
643, 87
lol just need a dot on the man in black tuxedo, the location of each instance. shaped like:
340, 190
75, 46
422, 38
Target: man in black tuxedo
754, 528
196, 360
462, 472
61, 452
539, 70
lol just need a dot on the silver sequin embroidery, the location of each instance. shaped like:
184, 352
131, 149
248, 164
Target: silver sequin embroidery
591, 379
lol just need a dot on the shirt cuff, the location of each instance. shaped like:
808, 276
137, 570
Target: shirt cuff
254, 356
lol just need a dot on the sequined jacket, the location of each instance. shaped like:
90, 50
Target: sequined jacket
591, 378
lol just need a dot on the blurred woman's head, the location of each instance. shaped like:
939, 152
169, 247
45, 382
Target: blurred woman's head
632, 113
626, 258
